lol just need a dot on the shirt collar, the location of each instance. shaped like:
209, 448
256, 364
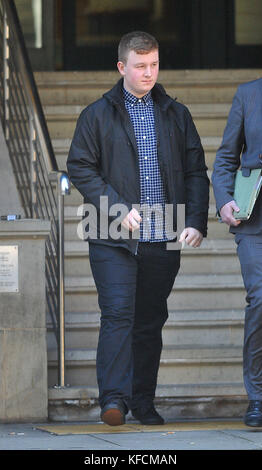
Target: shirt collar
133, 99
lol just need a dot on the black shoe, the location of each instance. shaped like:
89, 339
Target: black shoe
113, 413
253, 416
148, 416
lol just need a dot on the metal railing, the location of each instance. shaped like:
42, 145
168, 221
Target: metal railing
41, 185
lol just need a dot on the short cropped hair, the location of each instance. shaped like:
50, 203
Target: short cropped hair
138, 41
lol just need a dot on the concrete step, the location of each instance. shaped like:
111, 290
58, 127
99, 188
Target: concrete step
210, 145
188, 371
77, 395
189, 86
212, 256
204, 328
178, 365
216, 229
170, 353
210, 119
173, 401
206, 291
204, 389
221, 328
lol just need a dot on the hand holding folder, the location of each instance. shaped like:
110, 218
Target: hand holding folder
247, 186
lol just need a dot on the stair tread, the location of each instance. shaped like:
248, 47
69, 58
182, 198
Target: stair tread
190, 354
82, 392
71, 111
183, 77
209, 280
189, 318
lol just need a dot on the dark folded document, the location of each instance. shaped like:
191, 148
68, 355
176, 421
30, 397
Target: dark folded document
247, 187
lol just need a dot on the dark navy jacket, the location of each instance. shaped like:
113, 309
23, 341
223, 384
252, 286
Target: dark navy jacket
103, 157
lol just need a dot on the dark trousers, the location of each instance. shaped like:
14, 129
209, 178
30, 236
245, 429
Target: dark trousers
132, 295
250, 255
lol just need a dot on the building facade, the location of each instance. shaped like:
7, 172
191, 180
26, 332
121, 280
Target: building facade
193, 34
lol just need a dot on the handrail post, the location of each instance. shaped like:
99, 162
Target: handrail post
63, 187
33, 163
6, 72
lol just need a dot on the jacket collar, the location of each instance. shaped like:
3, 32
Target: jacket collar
115, 95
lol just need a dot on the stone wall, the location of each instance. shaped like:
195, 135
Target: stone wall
23, 350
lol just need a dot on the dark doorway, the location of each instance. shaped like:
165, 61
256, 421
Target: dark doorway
92, 30
192, 33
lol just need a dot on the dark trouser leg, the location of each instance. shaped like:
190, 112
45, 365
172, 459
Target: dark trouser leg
114, 271
250, 256
157, 269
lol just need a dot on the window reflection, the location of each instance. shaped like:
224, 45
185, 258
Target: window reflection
105, 21
248, 19
30, 16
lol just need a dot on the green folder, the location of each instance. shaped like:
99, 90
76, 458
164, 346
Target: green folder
246, 192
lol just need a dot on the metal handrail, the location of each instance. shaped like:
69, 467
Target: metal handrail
33, 161
25, 69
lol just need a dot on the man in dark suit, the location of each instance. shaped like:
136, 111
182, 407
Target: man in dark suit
136, 146
242, 147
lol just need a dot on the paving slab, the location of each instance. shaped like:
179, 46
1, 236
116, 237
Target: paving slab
182, 443
194, 435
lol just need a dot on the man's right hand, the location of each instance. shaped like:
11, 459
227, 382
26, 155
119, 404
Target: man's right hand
226, 213
131, 221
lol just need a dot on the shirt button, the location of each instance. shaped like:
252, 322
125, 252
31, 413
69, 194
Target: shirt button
145, 158
147, 177
144, 137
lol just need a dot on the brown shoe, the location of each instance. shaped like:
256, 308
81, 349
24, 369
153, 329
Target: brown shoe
113, 413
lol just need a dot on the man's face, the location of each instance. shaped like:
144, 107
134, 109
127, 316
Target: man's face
140, 72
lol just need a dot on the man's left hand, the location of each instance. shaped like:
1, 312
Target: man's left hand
191, 236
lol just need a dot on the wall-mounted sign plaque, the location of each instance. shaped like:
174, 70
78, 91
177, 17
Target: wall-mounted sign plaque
8, 268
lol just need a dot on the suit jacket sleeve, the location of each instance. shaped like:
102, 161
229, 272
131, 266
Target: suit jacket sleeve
228, 155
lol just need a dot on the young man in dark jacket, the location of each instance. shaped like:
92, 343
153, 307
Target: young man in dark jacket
136, 152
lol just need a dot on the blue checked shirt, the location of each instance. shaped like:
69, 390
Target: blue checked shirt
153, 197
